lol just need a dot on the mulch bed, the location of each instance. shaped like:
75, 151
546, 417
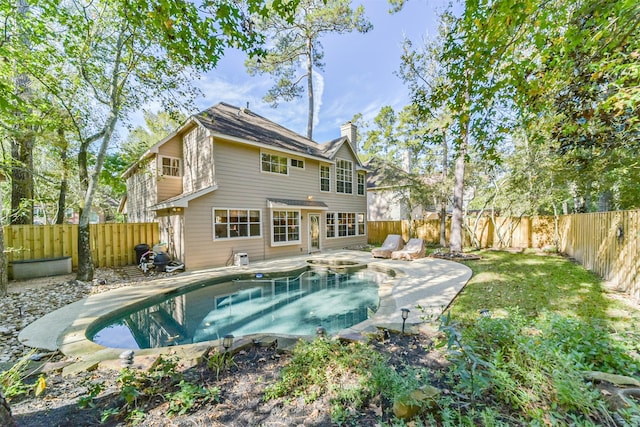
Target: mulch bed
242, 390
455, 256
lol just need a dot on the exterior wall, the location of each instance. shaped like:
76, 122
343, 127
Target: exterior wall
242, 185
171, 225
142, 193
169, 186
198, 165
389, 205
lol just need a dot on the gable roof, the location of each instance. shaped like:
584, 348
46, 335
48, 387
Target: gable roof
226, 120
243, 125
385, 175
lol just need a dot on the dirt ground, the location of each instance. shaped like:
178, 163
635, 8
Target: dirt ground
242, 388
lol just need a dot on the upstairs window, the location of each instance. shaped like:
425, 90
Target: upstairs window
325, 178
344, 176
297, 163
170, 166
361, 183
274, 164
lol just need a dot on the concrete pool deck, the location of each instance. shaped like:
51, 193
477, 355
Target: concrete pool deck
425, 286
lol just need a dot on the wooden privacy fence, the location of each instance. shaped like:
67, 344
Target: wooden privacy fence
607, 243
112, 245
429, 230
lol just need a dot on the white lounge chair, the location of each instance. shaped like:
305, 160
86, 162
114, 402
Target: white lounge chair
393, 242
412, 250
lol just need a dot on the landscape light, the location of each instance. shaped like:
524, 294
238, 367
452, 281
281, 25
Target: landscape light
405, 314
227, 342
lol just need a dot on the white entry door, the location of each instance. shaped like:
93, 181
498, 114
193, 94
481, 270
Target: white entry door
314, 233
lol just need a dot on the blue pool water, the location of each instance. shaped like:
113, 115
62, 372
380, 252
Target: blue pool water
284, 305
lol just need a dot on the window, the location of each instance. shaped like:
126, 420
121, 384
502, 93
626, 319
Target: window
170, 166
344, 176
331, 225
325, 178
274, 164
361, 183
235, 223
361, 225
296, 163
345, 224
285, 227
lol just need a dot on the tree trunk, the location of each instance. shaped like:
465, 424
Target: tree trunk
4, 279
22, 148
85, 259
22, 180
62, 196
455, 239
89, 184
443, 196
310, 88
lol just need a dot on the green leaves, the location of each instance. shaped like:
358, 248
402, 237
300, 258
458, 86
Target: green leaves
296, 49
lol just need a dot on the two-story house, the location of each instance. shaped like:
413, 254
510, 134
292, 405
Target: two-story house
229, 181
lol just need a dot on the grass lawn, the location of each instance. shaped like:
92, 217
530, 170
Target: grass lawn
551, 323
539, 284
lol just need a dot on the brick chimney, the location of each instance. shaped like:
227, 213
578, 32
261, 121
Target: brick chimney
351, 132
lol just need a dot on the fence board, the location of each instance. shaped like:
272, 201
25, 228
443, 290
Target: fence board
112, 245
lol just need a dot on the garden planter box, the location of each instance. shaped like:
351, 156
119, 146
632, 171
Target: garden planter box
43, 267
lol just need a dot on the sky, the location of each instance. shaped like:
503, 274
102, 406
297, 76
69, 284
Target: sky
358, 76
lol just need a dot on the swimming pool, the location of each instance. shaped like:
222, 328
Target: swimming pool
290, 305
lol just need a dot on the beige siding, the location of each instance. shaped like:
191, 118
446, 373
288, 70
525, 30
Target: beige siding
169, 186
241, 184
198, 161
171, 226
142, 193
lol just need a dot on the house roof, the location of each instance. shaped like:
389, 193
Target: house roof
383, 174
277, 203
243, 125
182, 200
226, 120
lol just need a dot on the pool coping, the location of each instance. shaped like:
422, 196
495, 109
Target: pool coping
426, 286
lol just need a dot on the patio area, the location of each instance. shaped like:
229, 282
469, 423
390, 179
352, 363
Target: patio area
428, 283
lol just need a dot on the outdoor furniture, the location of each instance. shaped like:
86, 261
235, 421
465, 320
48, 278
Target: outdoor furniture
393, 242
413, 249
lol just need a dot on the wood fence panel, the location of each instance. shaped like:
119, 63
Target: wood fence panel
377, 231
112, 245
607, 243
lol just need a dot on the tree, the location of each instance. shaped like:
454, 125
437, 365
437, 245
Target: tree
296, 49
420, 70
582, 87
477, 49
105, 59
